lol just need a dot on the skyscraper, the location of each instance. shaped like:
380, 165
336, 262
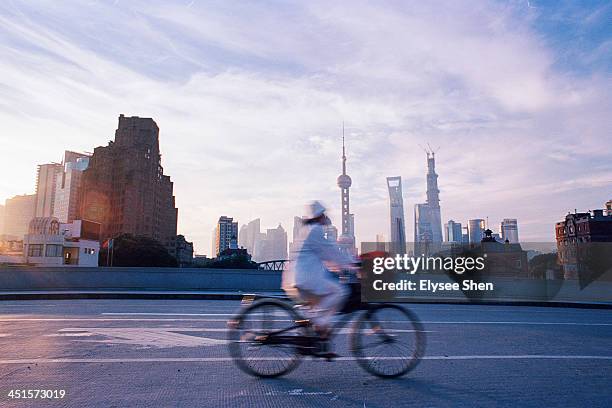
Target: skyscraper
509, 230
397, 223
68, 187
346, 241
476, 229
381, 243
272, 246
46, 178
297, 226
427, 218
18, 212
298, 222
225, 231
249, 235
453, 232
124, 187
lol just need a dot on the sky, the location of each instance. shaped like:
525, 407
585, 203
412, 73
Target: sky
250, 97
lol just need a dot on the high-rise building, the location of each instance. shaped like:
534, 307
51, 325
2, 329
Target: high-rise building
1, 219
381, 243
297, 226
609, 207
298, 222
509, 230
397, 223
476, 229
249, 235
427, 218
224, 232
68, 187
331, 233
18, 212
272, 246
46, 179
453, 232
346, 241
124, 187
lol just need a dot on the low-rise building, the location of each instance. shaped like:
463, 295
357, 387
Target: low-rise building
11, 250
502, 257
50, 243
184, 252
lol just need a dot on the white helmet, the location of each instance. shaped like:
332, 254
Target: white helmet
314, 210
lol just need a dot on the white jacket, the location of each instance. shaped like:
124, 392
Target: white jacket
307, 269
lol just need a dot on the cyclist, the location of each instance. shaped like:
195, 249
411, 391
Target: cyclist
308, 276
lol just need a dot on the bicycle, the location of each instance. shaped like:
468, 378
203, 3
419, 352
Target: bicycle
261, 349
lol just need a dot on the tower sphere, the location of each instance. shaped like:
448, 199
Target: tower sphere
344, 181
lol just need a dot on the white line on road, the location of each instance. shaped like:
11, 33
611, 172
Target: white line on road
227, 359
104, 319
69, 331
168, 314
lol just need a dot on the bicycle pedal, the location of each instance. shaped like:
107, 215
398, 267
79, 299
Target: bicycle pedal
303, 322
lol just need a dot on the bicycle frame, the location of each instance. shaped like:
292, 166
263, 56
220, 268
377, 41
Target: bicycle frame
301, 341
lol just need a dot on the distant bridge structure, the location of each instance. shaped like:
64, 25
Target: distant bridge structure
276, 265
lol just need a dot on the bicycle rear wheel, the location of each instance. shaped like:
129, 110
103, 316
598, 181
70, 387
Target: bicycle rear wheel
388, 340
255, 341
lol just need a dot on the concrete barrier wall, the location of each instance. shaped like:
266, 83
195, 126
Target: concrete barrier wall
179, 279
252, 280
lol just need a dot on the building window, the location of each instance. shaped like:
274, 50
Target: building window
35, 250
54, 250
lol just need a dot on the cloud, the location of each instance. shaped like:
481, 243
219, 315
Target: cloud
250, 102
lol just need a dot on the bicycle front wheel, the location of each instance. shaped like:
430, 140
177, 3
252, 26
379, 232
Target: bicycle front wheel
263, 338
388, 340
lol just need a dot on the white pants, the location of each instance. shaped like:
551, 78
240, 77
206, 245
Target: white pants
323, 307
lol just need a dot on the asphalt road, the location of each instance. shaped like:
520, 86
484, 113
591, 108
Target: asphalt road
172, 353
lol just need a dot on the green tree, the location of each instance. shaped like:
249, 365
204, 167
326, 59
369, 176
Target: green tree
539, 264
131, 250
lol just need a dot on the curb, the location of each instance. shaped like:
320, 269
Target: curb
156, 295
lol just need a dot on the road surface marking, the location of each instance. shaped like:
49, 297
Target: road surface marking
225, 320
227, 359
169, 314
143, 337
72, 331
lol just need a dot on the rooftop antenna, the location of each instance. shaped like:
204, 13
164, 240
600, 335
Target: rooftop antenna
429, 150
343, 152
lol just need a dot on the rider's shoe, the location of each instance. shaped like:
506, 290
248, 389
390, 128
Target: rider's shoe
329, 356
324, 351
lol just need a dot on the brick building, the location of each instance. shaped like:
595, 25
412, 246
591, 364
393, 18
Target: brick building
579, 233
124, 187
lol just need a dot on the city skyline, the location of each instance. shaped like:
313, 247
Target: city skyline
521, 137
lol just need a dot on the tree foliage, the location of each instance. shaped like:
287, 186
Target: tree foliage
131, 250
539, 264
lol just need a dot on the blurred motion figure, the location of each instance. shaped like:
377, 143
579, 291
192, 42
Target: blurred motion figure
308, 277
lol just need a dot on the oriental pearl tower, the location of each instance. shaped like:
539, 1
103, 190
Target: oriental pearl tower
347, 239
